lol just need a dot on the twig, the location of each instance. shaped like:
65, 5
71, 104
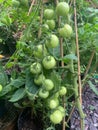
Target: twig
71, 113
33, 1
89, 63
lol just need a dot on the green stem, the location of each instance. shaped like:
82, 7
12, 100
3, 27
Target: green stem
78, 104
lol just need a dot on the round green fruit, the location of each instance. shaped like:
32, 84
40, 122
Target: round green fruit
43, 93
35, 68
62, 110
49, 62
51, 24
1, 87
62, 9
48, 84
52, 42
53, 103
62, 91
39, 51
56, 117
39, 79
66, 31
49, 14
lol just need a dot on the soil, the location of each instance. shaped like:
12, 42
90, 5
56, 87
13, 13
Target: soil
90, 108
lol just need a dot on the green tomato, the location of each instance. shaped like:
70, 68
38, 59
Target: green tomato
52, 42
62, 110
39, 79
39, 51
53, 103
35, 68
62, 91
43, 93
49, 62
48, 84
51, 24
15, 3
46, 27
49, 13
1, 87
66, 31
62, 9
56, 95
56, 117
1, 40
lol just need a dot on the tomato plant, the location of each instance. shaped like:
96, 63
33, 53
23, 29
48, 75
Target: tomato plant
44, 59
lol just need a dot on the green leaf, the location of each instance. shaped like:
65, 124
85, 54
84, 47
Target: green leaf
31, 88
5, 90
69, 57
56, 79
92, 86
19, 94
17, 82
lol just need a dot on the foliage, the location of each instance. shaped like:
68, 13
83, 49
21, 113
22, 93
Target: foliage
27, 36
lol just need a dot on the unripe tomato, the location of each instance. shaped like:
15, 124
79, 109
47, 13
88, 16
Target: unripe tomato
39, 79
46, 27
39, 51
43, 93
53, 103
1, 87
1, 40
62, 110
62, 9
48, 84
51, 24
52, 42
66, 31
56, 117
35, 68
49, 62
49, 13
62, 91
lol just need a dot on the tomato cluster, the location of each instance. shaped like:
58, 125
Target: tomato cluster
45, 63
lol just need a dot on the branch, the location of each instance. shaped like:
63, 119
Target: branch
30, 9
